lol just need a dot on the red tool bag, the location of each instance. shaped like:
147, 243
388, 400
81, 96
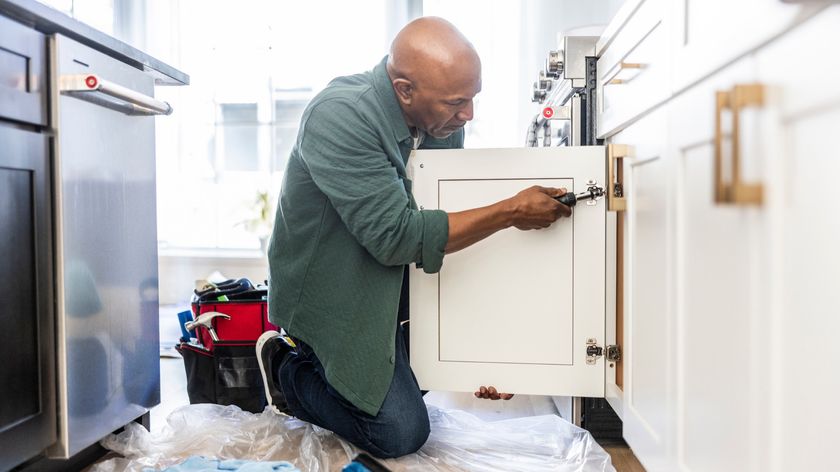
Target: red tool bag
226, 371
248, 320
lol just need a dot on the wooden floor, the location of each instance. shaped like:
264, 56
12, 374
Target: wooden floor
623, 458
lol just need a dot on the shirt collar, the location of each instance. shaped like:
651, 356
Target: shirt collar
388, 98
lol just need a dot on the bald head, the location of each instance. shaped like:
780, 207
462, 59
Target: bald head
436, 73
431, 44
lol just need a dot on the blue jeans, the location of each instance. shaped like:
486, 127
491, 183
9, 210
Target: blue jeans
401, 426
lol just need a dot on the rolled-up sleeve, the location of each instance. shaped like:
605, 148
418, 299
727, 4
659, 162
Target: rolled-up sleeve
435, 237
345, 159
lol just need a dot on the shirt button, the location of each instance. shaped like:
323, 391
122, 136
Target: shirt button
392, 359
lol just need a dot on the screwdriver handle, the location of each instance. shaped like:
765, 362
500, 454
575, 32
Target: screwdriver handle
569, 199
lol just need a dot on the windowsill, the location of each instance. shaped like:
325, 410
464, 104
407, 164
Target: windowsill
210, 253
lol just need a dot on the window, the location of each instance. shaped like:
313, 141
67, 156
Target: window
288, 110
253, 71
238, 131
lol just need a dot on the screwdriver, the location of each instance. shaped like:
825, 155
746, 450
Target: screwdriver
591, 194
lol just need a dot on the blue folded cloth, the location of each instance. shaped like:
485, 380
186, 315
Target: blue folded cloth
355, 467
203, 464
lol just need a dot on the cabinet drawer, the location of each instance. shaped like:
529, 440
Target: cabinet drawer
23, 73
709, 34
632, 68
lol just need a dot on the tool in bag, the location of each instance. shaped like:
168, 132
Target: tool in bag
220, 361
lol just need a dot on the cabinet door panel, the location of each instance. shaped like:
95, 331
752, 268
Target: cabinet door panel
515, 310
27, 417
648, 318
469, 310
18, 313
719, 279
716, 274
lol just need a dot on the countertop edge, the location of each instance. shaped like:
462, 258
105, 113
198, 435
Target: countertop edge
50, 21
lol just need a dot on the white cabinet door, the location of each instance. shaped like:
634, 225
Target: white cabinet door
516, 309
802, 301
720, 276
648, 398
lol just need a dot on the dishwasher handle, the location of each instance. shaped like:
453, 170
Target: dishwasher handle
131, 102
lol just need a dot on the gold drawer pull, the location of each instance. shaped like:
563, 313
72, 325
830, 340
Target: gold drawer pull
624, 66
735, 191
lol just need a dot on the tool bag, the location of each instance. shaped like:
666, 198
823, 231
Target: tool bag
226, 371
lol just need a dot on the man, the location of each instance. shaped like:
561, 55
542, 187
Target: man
347, 228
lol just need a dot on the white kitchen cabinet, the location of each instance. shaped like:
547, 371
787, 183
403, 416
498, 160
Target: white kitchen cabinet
735, 295
517, 309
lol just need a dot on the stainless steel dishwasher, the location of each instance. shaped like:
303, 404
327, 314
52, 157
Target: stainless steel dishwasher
106, 243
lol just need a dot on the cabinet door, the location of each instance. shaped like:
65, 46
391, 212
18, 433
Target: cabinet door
721, 325
27, 390
648, 401
805, 257
516, 309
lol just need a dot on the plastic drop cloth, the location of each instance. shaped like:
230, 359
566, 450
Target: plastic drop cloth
458, 441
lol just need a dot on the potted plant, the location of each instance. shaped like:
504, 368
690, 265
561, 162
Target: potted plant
262, 220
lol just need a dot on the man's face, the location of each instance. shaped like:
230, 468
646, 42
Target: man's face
444, 105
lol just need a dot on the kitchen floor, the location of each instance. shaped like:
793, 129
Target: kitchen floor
174, 395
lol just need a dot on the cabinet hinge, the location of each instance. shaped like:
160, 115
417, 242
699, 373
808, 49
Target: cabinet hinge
594, 351
616, 201
613, 353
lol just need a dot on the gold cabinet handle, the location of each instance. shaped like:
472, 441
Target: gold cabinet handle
735, 191
614, 80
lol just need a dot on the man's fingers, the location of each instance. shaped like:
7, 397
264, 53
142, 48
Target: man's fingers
490, 393
564, 210
552, 192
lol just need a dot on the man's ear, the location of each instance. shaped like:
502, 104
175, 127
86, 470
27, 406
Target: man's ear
404, 89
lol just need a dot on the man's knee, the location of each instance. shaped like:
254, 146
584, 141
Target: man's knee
405, 435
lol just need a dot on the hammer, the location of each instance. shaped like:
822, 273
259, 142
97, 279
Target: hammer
206, 320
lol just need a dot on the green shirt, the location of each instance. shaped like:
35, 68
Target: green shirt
346, 226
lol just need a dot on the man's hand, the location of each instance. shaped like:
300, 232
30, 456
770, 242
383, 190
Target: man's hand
536, 207
532, 208
492, 394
